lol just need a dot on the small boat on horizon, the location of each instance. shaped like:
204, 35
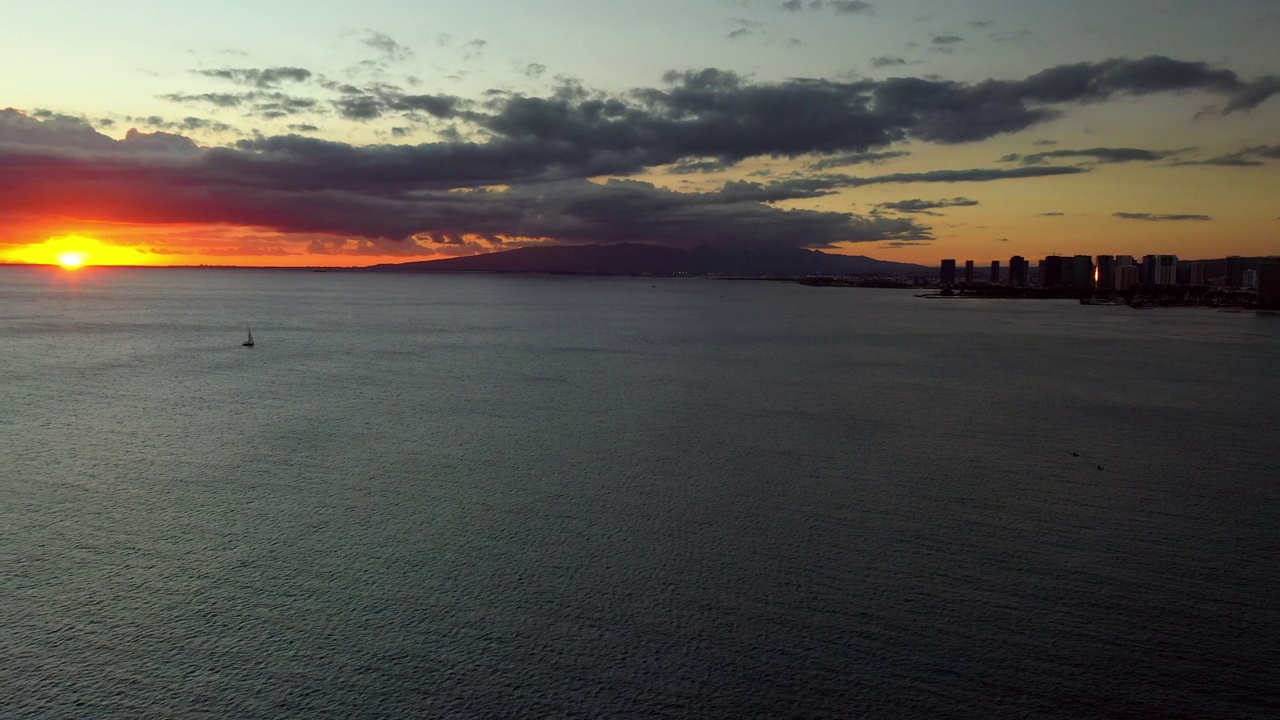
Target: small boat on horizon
249, 342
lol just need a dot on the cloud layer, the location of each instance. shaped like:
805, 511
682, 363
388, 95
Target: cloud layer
514, 166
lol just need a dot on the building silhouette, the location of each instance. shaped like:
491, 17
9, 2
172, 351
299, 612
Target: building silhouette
1160, 270
1269, 286
1250, 279
1126, 276
1051, 271
1018, 267
948, 272
1236, 266
995, 272
968, 272
1078, 272
1190, 273
1105, 274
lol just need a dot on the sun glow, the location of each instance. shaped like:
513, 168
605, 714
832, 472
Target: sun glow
76, 251
71, 260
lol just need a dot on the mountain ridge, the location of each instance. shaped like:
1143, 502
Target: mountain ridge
646, 259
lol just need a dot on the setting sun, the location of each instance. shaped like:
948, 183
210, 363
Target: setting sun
75, 251
71, 260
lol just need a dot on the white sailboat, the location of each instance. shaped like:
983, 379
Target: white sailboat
249, 342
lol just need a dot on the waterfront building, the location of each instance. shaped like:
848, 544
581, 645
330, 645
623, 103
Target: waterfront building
1235, 271
949, 272
1190, 273
1269, 286
1078, 272
968, 272
1051, 271
1105, 273
1018, 267
995, 272
1126, 276
1249, 279
1159, 270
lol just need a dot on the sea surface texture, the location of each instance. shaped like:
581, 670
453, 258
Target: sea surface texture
493, 496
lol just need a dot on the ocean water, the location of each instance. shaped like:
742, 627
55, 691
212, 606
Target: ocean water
489, 496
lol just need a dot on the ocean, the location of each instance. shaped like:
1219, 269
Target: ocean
538, 496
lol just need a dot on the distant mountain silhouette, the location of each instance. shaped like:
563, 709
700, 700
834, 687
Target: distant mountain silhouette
640, 259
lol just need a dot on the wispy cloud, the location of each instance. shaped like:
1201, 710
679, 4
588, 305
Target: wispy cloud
925, 207
1160, 218
1099, 154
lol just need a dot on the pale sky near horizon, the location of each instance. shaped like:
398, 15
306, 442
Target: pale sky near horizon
1142, 157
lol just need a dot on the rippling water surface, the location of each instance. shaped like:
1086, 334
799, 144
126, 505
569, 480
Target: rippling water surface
609, 497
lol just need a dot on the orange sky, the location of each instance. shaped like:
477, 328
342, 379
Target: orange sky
910, 134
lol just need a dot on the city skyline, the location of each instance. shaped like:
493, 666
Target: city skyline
277, 133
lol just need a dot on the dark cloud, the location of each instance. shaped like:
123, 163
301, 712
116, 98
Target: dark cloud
303, 127
925, 207
65, 136
298, 185
1246, 157
187, 124
946, 40
1051, 214
738, 34
1235, 159
719, 114
268, 105
881, 61
1158, 218
958, 176
840, 7
386, 45
535, 70
848, 159
264, 78
1084, 82
1102, 155
851, 7
820, 185
541, 148
700, 166
1267, 151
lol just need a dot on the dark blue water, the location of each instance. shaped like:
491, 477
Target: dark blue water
571, 497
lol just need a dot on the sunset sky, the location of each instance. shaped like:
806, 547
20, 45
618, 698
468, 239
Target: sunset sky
282, 132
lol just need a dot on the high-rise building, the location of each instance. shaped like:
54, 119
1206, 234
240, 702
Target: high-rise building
1126, 277
1250, 279
1269, 286
948, 272
995, 272
1235, 271
1051, 274
1159, 270
1018, 267
1190, 273
1105, 274
1078, 272
968, 272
